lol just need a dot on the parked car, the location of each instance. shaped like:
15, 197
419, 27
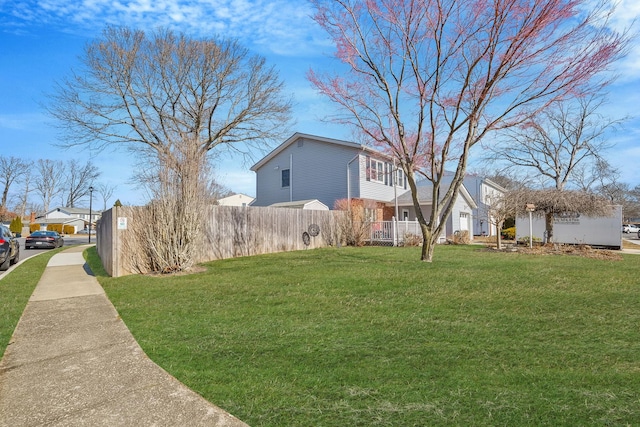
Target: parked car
630, 228
85, 231
9, 248
44, 239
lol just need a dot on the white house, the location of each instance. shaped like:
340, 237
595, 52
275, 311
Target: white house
484, 193
461, 218
236, 200
78, 218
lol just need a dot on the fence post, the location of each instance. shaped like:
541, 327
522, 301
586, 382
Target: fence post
395, 230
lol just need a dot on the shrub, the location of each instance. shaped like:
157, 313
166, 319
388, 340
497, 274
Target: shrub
460, 238
34, 227
411, 239
509, 233
16, 225
355, 227
525, 240
68, 229
55, 227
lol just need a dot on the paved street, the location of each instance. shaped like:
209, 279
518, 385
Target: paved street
68, 241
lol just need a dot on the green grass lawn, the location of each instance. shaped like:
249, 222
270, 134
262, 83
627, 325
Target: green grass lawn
16, 288
373, 337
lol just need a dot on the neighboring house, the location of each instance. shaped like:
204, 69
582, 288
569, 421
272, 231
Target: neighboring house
235, 200
311, 205
484, 193
307, 167
76, 217
461, 218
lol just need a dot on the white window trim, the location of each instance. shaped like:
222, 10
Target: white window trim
376, 171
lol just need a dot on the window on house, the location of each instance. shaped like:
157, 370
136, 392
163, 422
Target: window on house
286, 178
399, 178
376, 171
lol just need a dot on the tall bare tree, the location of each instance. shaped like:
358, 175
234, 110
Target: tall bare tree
23, 197
11, 170
173, 100
106, 191
425, 81
78, 179
50, 180
559, 142
592, 176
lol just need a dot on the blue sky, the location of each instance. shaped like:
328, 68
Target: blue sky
40, 41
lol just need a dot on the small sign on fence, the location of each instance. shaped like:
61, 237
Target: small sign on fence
122, 223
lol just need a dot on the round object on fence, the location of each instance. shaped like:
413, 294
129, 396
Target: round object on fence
306, 238
314, 230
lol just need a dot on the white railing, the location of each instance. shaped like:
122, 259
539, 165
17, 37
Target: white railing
394, 233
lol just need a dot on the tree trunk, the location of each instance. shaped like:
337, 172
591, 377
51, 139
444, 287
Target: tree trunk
548, 219
499, 225
427, 244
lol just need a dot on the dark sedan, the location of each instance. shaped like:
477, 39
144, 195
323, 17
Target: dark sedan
9, 249
44, 239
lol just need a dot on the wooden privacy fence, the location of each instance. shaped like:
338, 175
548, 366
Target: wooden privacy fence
227, 232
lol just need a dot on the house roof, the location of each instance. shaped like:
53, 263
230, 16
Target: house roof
494, 185
425, 195
298, 135
74, 211
299, 204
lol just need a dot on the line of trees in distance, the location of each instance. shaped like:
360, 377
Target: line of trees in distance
36, 186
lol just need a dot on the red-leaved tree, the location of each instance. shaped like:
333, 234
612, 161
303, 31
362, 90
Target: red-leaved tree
427, 80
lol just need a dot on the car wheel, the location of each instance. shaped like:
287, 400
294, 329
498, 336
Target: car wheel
16, 259
5, 264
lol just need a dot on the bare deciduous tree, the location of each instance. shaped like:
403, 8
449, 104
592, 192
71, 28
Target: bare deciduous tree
592, 176
559, 141
23, 195
49, 181
11, 170
425, 81
171, 99
106, 192
78, 179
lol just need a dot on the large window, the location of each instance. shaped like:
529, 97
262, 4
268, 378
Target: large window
286, 178
399, 178
376, 171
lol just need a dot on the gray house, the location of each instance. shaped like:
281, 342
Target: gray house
461, 218
484, 193
307, 167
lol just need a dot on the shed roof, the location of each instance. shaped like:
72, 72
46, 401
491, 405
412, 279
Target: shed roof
300, 204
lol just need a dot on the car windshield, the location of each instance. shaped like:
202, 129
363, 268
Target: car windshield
38, 234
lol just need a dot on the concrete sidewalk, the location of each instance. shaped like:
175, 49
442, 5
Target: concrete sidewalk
73, 362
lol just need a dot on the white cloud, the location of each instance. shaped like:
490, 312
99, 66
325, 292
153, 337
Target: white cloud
278, 26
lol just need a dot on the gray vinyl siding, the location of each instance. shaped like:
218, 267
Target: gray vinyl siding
453, 223
370, 189
319, 172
